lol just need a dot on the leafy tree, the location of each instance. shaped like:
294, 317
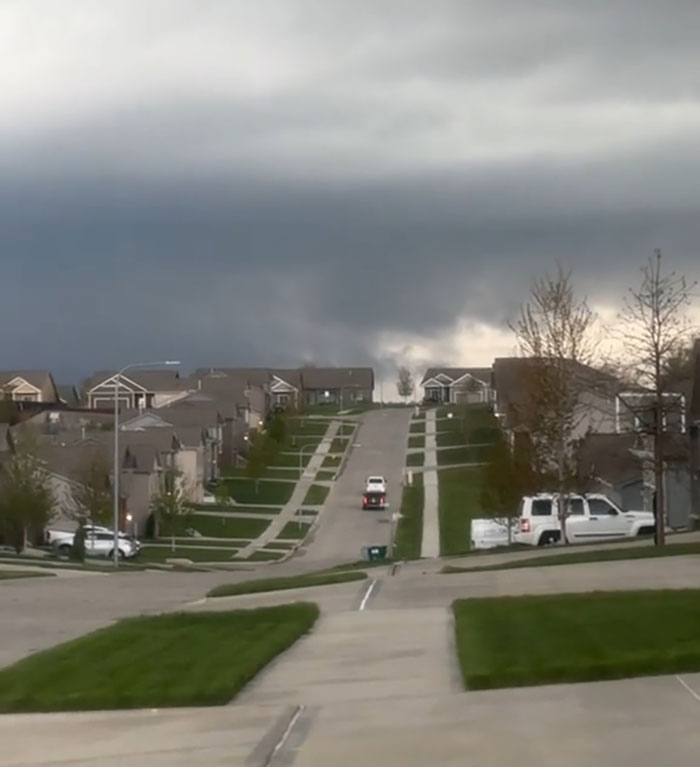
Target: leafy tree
26, 499
171, 504
93, 494
277, 430
261, 452
405, 383
507, 477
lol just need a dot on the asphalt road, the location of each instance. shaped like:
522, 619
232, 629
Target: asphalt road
345, 527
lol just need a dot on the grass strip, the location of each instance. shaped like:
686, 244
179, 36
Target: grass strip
534, 640
186, 659
459, 490
7, 575
282, 584
409, 531
316, 495
582, 557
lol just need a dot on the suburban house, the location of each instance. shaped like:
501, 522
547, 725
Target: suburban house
622, 467
336, 386
279, 387
137, 389
457, 386
598, 406
28, 386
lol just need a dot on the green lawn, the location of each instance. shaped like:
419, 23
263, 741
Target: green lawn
325, 475
282, 545
339, 445
417, 427
271, 472
331, 461
294, 530
415, 459
316, 496
293, 458
347, 429
459, 491
159, 554
307, 427
226, 526
12, 575
272, 493
189, 659
520, 641
580, 557
456, 455
280, 584
409, 531
417, 441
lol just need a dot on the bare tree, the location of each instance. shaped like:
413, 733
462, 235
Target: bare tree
656, 328
554, 331
405, 383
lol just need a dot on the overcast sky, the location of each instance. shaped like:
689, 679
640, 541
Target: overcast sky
272, 182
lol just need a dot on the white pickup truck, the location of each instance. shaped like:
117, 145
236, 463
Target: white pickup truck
99, 542
588, 518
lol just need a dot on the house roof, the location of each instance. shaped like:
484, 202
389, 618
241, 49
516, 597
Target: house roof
36, 378
454, 374
68, 394
257, 376
337, 378
71, 461
150, 380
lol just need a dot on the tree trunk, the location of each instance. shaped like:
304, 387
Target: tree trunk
659, 494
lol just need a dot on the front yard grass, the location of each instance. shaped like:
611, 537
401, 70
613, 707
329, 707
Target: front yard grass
226, 526
415, 459
339, 445
457, 455
280, 584
271, 493
534, 640
417, 427
159, 554
582, 557
297, 530
316, 496
325, 475
409, 531
331, 462
417, 441
187, 659
458, 492
293, 459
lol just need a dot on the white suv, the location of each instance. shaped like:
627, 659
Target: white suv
588, 518
375, 484
99, 542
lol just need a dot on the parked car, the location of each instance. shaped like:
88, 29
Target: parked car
375, 484
589, 518
99, 542
373, 500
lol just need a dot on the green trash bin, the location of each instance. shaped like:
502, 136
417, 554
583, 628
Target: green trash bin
377, 553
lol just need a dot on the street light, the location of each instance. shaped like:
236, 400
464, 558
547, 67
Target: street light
117, 378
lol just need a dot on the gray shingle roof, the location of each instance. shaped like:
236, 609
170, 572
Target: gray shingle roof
481, 374
150, 380
313, 378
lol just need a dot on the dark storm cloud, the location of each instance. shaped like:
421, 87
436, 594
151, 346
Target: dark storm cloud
304, 221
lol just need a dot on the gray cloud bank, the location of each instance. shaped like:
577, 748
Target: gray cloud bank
399, 168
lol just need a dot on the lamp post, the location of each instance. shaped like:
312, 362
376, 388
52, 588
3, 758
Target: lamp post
117, 467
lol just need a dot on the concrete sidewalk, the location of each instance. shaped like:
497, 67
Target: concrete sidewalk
289, 510
430, 542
